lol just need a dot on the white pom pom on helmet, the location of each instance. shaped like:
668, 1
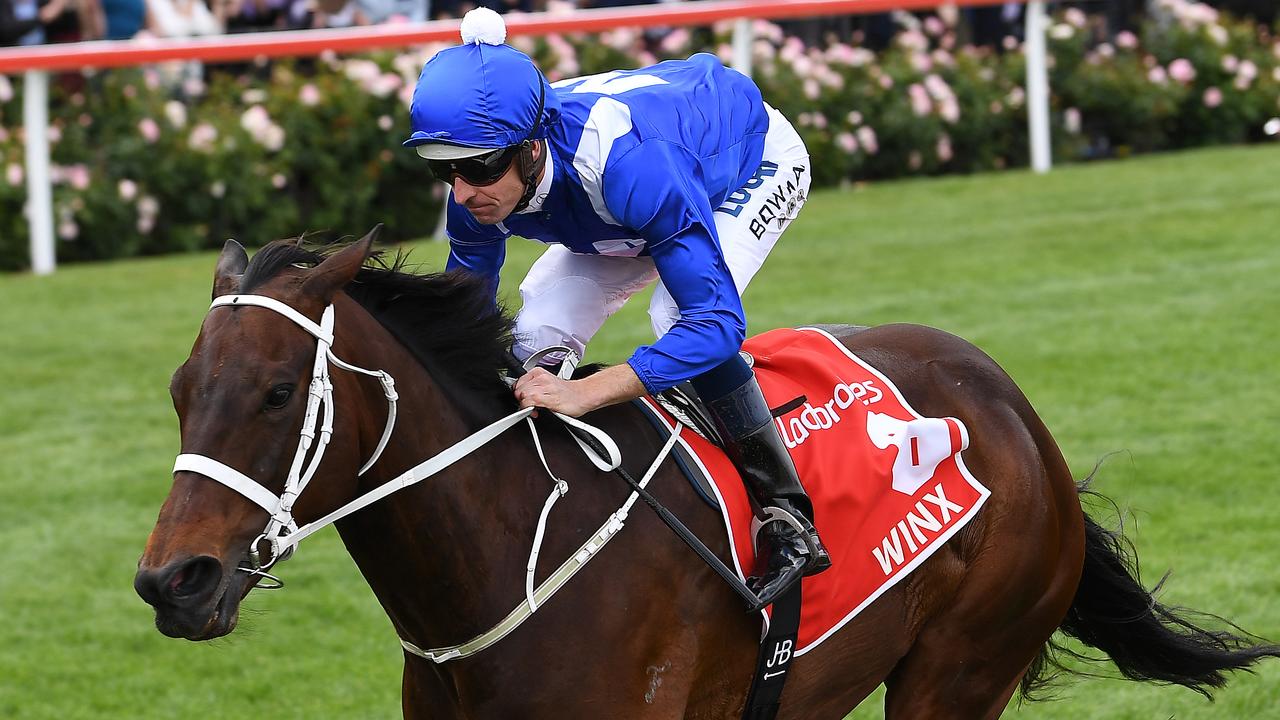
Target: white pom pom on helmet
483, 25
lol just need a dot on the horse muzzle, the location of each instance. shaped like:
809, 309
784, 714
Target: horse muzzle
194, 598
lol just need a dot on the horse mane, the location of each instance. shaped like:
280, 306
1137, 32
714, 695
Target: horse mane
448, 321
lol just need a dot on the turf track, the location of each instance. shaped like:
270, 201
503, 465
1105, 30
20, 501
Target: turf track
1137, 304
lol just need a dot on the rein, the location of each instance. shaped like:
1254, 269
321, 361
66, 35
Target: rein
282, 534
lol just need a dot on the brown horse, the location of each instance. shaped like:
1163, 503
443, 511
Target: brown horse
647, 630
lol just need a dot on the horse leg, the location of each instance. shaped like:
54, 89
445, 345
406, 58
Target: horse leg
946, 675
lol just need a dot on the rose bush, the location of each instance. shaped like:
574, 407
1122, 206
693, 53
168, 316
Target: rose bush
143, 167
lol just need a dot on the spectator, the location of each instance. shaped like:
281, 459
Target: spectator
381, 11
337, 14
23, 22
81, 20
239, 16
124, 18
181, 19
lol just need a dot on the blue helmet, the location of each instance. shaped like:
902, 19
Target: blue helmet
479, 96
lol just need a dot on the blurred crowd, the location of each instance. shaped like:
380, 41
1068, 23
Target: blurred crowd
33, 22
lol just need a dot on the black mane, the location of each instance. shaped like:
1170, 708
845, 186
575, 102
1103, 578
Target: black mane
447, 320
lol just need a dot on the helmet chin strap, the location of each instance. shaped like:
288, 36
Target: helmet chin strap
530, 169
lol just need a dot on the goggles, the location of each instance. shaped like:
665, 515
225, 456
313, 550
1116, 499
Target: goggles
478, 171
487, 169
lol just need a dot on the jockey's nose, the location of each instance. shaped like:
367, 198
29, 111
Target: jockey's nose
462, 192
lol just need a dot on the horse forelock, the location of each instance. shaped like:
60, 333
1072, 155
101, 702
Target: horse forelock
448, 321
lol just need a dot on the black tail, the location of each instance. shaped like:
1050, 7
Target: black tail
1147, 641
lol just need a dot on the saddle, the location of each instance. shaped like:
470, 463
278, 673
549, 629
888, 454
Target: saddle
683, 403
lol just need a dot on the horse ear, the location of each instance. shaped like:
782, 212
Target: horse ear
231, 265
341, 268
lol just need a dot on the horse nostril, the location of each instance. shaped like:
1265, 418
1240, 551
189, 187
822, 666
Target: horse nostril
193, 578
187, 582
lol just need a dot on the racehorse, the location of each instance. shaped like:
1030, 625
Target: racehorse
647, 630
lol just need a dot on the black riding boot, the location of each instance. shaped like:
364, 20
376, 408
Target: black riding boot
753, 444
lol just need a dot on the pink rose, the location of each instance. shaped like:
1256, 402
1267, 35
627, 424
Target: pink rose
867, 138
675, 41
149, 129
128, 190
78, 177
847, 142
1212, 97
920, 103
943, 148
1071, 120
921, 62
176, 113
13, 173
949, 110
308, 95
203, 136
1157, 75
1126, 40
1182, 70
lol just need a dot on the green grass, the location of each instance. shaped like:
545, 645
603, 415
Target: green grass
1137, 304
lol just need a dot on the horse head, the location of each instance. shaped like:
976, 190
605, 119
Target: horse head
241, 398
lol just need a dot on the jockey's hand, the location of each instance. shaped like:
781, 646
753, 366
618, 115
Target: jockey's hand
539, 388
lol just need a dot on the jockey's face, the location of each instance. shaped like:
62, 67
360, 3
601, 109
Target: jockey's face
491, 204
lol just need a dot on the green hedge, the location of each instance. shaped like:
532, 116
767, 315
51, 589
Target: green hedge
146, 163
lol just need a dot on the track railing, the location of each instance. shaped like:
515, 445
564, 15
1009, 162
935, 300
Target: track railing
38, 61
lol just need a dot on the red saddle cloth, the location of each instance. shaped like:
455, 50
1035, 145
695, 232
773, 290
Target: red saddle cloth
888, 486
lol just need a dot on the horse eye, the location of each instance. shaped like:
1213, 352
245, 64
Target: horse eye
279, 396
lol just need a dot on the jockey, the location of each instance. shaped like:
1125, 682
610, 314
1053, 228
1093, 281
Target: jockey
678, 173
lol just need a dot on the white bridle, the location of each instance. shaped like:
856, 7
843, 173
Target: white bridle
283, 534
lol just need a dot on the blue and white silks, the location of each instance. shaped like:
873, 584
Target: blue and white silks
641, 159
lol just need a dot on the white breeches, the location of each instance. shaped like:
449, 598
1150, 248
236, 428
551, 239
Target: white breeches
567, 297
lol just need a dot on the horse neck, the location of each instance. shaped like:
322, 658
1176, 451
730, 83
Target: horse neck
425, 550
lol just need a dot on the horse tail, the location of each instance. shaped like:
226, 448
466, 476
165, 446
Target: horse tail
1147, 641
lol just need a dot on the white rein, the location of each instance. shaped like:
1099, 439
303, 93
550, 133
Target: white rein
282, 534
